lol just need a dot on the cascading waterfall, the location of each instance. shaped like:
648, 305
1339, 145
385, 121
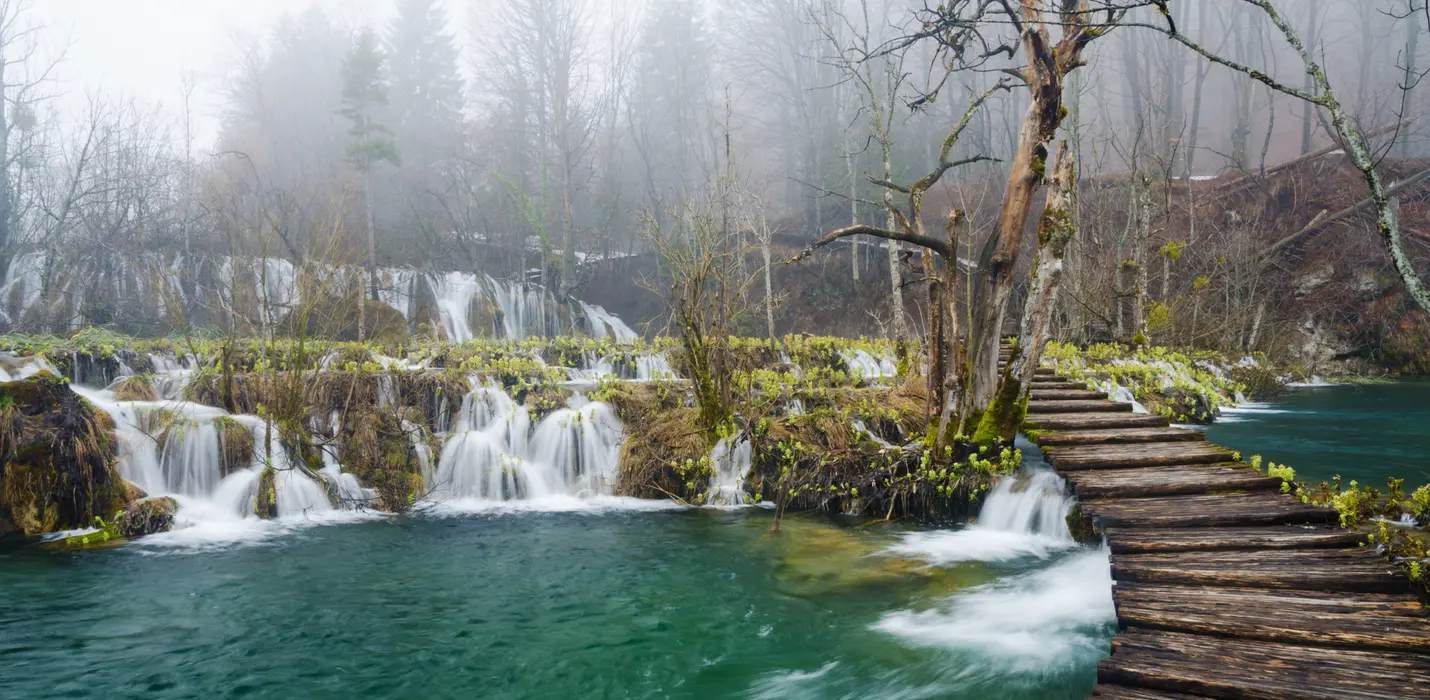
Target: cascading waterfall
269, 287
1029, 621
603, 324
188, 466
495, 454
731, 462
868, 367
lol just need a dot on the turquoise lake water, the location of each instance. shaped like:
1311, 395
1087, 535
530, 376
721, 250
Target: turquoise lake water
1363, 432
617, 601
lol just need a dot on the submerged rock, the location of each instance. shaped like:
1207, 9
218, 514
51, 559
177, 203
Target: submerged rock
149, 516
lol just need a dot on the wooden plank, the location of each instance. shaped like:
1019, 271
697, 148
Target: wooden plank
1096, 421
1065, 395
1122, 692
1132, 456
1174, 480
1392, 623
1346, 570
1256, 670
1140, 540
1120, 436
1213, 510
1384, 604
1078, 407
1055, 384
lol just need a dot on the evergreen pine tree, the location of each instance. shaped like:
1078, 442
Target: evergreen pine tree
370, 143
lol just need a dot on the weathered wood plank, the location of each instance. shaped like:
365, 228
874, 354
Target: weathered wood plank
1393, 623
1133, 456
1035, 407
1346, 570
1122, 692
1212, 510
1257, 670
1055, 384
1176, 480
1096, 421
1126, 540
1065, 395
1120, 436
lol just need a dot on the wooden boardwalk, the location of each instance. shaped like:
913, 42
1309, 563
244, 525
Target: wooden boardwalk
1224, 586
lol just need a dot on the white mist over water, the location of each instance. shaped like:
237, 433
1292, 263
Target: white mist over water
1053, 609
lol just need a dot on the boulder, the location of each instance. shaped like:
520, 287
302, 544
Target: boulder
146, 517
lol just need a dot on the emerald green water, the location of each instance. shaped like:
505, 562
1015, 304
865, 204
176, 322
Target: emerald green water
1367, 433
598, 603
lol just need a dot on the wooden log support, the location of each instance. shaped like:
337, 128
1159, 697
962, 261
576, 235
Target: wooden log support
1176, 480
1079, 458
1227, 668
1119, 436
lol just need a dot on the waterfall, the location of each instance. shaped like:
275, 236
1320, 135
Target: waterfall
644, 367
731, 463
454, 292
603, 324
189, 468
1057, 612
1025, 515
495, 454
864, 365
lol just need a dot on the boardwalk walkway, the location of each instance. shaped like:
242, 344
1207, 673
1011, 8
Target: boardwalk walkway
1224, 586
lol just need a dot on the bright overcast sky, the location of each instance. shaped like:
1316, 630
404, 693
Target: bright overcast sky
144, 48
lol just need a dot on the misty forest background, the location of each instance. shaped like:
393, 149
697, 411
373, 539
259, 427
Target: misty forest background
565, 140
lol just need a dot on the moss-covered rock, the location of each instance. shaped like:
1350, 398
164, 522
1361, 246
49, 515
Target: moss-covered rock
337, 318
378, 447
146, 517
57, 457
265, 503
235, 445
136, 388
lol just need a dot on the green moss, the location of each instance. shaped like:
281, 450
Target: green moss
265, 503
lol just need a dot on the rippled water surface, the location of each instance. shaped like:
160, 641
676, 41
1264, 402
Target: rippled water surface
1367, 433
592, 603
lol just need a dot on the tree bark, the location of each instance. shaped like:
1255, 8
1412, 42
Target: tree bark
1056, 232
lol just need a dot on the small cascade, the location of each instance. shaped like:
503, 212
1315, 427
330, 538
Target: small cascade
1024, 515
731, 464
637, 368
454, 292
865, 366
603, 324
1056, 610
16, 368
174, 448
496, 454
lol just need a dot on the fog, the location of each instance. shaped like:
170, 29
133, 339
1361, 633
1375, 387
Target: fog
429, 131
